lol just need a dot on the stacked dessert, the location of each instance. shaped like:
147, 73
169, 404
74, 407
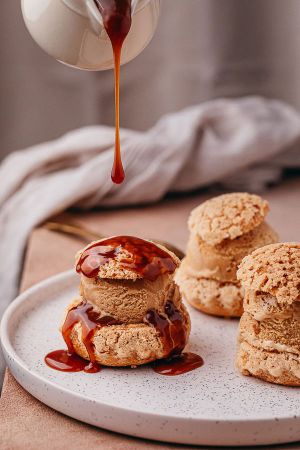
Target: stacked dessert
222, 231
129, 311
269, 337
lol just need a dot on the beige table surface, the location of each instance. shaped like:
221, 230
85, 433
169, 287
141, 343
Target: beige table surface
25, 423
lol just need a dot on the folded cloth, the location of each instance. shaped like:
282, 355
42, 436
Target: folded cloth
186, 150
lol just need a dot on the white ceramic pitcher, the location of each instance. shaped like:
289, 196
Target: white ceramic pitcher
72, 31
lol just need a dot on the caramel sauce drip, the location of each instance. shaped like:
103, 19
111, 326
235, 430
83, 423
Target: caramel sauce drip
145, 258
116, 15
171, 328
90, 321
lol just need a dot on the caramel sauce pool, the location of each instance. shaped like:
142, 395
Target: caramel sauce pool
183, 363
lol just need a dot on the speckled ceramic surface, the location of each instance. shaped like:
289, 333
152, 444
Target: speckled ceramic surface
213, 405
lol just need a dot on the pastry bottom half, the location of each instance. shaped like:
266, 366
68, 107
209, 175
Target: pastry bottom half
272, 366
125, 344
210, 296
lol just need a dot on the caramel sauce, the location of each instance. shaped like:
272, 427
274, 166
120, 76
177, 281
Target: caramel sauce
116, 15
170, 326
64, 361
178, 365
90, 321
145, 259
172, 329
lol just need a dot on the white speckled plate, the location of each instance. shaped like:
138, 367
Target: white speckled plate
213, 405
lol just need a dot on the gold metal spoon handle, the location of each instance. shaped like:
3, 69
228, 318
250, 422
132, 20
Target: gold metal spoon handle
83, 233
74, 230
